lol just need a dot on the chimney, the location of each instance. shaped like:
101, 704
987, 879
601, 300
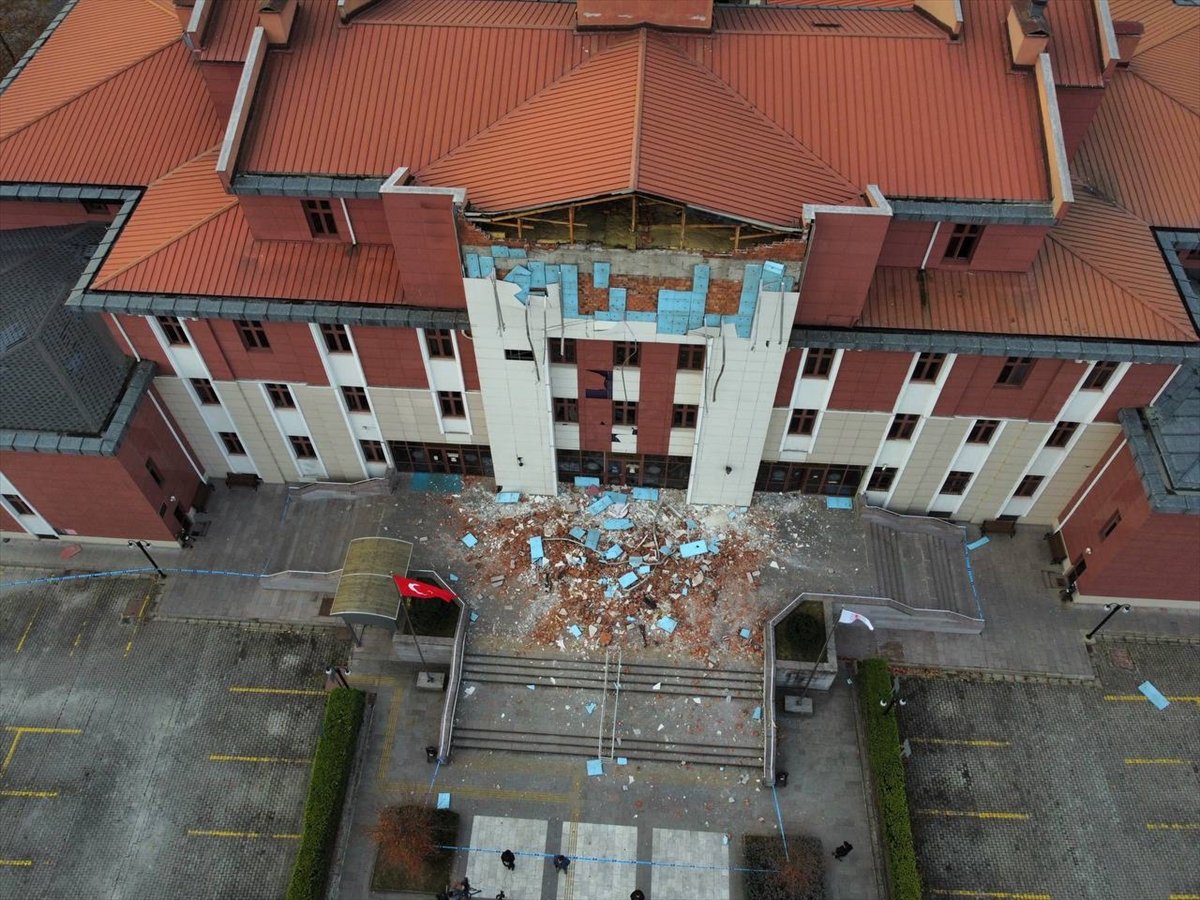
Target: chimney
1129, 34
347, 9
183, 9
276, 18
1028, 31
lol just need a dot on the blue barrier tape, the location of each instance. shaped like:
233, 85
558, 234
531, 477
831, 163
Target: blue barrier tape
779, 814
116, 573
606, 859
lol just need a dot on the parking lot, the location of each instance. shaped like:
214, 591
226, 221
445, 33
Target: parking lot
149, 759
1045, 791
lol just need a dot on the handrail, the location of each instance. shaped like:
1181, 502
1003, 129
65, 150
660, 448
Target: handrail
457, 651
344, 486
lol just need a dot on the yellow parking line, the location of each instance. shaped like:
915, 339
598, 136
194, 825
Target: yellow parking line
27, 729
1183, 897
12, 749
1003, 895
1157, 761
1117, 698
202, 832
44, 795
28, 628
950, 742
221, 757
1173, 826
975, 815
137, 622
25, 863
267, 690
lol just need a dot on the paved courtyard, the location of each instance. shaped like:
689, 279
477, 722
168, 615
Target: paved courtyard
1058, 790
149, 759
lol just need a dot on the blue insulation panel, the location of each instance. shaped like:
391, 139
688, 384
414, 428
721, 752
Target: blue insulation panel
614, 552
700, 276
618, 524
1154, 695
645, 493
616, 300
516, 252
551, 274
586, 481
628, 580
500, 252
600, 272
577, 533
839, 503
712, 320
508, 497
639, 316
692, 548
592, 542
615, 496
600, 505
570, 291
537, 274
535, 549
487, 266
473, 265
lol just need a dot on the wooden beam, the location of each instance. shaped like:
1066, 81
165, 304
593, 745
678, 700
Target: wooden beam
571, 224
737, 237
682, 227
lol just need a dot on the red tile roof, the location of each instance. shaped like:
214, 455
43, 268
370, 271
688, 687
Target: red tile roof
1075, 44
227, 37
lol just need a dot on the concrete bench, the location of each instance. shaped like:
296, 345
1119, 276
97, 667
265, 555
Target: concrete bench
999, 526
242, 479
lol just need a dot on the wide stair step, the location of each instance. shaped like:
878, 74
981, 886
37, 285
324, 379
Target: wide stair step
642, 749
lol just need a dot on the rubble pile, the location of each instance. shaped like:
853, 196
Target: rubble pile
596, 568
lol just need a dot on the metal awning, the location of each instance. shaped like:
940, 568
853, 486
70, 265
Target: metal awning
366, 593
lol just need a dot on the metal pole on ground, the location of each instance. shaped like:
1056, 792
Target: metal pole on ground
1113, 609
142, 545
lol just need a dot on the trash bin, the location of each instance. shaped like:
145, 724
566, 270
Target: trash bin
431, 753
781, 779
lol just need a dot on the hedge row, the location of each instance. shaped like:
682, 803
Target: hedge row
887, 767
326, 793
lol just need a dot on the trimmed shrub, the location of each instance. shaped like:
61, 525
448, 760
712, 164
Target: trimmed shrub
797, 875
326, 793
801, 635
411, 838
887, 768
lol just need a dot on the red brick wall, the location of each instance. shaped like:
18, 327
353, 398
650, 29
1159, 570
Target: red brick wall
466, 358
142, 337
1141, 557
292, 356
905, 243
221, 79
391, 357
1077, 106
283, 219
1001, 248
842, 253
869, 380
149, 437
787, 377
8, 523
210, 349
971, 389
656, 397
424, 234
1065, 375
370, 223
595, 416
1137, 388
39, 214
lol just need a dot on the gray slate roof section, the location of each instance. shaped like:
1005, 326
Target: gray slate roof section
973, 213
1165, 442
332, 186
1171, 242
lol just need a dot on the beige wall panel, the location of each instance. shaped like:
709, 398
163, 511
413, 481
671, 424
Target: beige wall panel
682, 442
926, 468
408, 415
322, 413
848, 438
1019, 444
252, 419
188, 418
775, 433
1085, 455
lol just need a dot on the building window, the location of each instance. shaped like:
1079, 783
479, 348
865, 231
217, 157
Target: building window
96, 207
20, 507
818, 363
881, 478
356, 399
833, 480
233, 443
281, 396
562, 350
439, 343
566, 409
337, 338
302, 446
983, 431
252, 333
1062, 434
1028, 486
451, 403
205, 392
154, 473
372, 451
963, 240
1109, 526
683, 415
691, 357
521, 355
321, 222
624, 413
956, 483
803, 421
626, 353
1015, 370
902, 428
928, 366
1099, 375
173, 331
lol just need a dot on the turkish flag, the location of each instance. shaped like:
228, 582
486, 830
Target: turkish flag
410, 587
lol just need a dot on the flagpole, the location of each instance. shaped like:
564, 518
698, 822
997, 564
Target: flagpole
411, 629
820, 656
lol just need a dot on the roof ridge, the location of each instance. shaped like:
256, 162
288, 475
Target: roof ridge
1150, 83
639, 102
103, 81
1165, 36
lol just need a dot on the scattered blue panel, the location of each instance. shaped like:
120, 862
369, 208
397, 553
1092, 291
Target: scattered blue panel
743, 509
732, 514
691, 524
667, 624
622, 761
521, 278
577, 533
586, 481
443, 801
745, 632
600, 273
570, 291
1154, 695
614, 552
474, 616
789, 283
499, 252
593, 539
516, 252
600, 505
516, 272
666, 549
640, 316
552, 276
631, 618
741, 325
685, 590
616, 301
591, 708
975, 545
610, 591
700, 275
469, 539
643, 570
645, 493
618, 524
757, 714
839, 503
436, 482
712, 320
616, 496
535, 549
595, 767
635, 561
692, 548
603, 580
508, 497
772, 276
628, 580
714, 548
473, 265
576, 631
453, 577
537, 274
487, 267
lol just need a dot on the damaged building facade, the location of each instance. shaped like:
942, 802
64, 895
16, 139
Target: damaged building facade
717, 247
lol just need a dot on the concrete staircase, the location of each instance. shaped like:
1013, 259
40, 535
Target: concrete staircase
743, 688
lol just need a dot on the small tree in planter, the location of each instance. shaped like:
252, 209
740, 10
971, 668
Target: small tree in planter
411, 837
797, 875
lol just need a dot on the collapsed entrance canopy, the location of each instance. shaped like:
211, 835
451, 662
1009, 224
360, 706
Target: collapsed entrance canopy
366, 593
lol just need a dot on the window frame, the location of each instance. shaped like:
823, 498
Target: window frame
302, 446
625, 412
627, 354
566, 410
818, 362
356, 399
1015, 371
19, 505
928, 367
253, 334
956, 483
280, 395
1028, 485
319, 214
205, 392
155, 475
232, 442
1099, 375
983, 431
685, 415
887, 473
1061, 434
172, 329
452, 404
1110, 525
336, 334
903, 426
520, 356
439, 343
803, 422
563, 351
373, 451
963, 242
690, 358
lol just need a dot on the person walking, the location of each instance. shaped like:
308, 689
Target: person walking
509, 860
843, 851
561, 863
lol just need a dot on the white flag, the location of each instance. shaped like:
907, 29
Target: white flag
849, 615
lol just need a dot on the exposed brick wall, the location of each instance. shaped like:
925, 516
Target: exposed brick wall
842, 253
424, 233
1065, 375
971, 389
787, 377
1077, 107
221, 79
724, 295
38, 214
466, 358
656, 397
391, 357
869, 380
595, 416
905, 243
292, 356
1137, 388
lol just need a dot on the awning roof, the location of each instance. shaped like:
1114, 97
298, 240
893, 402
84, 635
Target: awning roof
366, 593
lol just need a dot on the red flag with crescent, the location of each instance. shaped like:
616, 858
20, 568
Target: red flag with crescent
410, 587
